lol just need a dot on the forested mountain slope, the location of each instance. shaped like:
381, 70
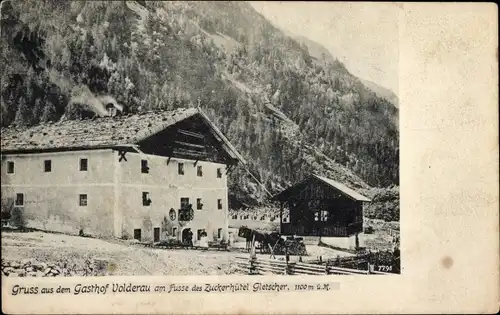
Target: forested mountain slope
382, 92
287, 115
321, 55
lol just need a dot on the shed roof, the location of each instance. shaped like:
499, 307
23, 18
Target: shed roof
328, 181
104, 132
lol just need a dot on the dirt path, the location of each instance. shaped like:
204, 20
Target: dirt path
128, 259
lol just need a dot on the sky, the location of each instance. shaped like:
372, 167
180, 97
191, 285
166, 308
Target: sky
363, 36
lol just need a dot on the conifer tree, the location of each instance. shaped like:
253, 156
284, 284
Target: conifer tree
23, 113
49, 112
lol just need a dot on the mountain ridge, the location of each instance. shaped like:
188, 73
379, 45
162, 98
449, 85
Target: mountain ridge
287, 114
321, 53
382, 92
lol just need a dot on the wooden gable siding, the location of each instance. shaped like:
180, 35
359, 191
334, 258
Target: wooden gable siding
311, 189
191, 139
308, 200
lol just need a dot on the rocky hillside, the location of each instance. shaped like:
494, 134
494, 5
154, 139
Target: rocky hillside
287, 114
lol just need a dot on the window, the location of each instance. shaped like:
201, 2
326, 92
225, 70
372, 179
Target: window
47, 165
144, 167
201, 233
19, 200
180, 168
199, 205
83, 200
184, 203
219, 233
199, 171
219, 173
145, 198
321, 216
84, 165
10, 167
172, 214
137, 234
156, 234
219, 204
174, 232
324, 215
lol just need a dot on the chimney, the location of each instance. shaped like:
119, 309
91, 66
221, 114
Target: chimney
111, 109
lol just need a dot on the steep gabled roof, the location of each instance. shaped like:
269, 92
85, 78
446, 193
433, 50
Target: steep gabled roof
330, 182
105, 132
343, 188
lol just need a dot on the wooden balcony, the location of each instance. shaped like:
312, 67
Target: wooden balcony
324, 230
186, 214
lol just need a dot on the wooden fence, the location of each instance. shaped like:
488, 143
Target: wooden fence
262, 266
345, 261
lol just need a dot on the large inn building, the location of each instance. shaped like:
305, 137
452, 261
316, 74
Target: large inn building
148, 176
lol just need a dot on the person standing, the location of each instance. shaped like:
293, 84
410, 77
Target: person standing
190, 238
230, 240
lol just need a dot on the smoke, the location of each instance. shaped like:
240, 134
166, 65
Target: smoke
83, 99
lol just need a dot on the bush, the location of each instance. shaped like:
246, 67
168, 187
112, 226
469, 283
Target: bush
369, 230
6, 215
17, 219
83, 234
295, 247
125, 236
7, 207
387, 211
169, 243
387, 258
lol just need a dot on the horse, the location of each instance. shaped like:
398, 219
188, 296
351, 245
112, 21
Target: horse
250, 235
261, 238
247, 234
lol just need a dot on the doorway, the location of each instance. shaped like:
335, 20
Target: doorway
156, 235
187, 237
137, 234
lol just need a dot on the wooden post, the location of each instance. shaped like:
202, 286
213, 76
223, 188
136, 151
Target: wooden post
252, 266
286, 261
281, 217
252, 248
271, 250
